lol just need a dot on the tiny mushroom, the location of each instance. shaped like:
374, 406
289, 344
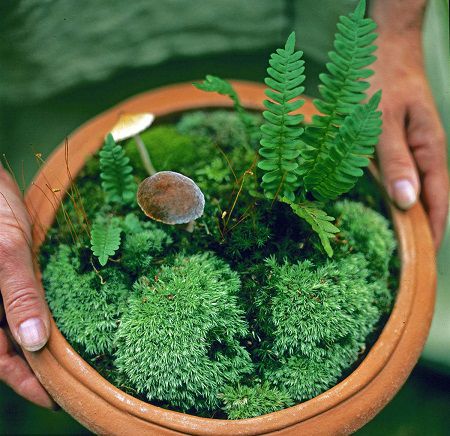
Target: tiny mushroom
129, 126
171, 198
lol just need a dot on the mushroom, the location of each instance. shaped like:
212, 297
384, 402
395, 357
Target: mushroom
129, 126
171, 198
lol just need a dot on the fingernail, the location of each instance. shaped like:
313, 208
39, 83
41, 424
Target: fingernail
404, 194
32, 334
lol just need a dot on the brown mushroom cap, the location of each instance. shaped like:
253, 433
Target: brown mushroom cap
171, 198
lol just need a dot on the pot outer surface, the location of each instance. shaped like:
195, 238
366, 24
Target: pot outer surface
104, 409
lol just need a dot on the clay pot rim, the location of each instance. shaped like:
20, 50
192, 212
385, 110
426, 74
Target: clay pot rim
175, 99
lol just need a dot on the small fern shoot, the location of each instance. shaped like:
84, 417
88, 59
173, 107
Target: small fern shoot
117, 180
319, 221
342, 88
354, 145
280, 143
105, 240
223, 87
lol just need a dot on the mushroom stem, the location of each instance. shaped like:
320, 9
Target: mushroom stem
145, 157
190, 226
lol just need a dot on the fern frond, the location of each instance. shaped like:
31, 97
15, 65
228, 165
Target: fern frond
355, 143
280, 143
117, 180
319, 221
342, 88
105, 240
223, 87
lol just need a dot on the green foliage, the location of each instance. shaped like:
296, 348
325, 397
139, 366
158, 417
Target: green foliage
280, 143
365, 231
170, 150
221, 86
319, 221
315, 321
223, 127
117, 180
178, 341
241, 402
341, 90
143, 242
87, 312
338, 171
105, 240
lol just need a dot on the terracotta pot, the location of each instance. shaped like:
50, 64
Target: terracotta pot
104, 409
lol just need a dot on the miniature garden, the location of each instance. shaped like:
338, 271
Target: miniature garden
227, 263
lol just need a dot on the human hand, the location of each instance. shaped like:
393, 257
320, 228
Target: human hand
24, 305
412, 147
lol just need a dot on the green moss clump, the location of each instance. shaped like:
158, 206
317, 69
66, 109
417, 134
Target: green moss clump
223, 127
143, 242
169, 150
365, 231
315, 320
86, 307
241, 402
178, 341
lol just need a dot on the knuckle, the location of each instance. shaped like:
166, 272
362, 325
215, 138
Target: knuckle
21, 299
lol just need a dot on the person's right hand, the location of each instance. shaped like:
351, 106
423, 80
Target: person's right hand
24, 305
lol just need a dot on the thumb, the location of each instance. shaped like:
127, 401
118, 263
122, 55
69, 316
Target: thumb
23, 300
397, 163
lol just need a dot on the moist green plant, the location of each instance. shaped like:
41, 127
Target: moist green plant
216, 84
86, 306
178, 340
281, 132
170, 150
105, 240
342, 89
240, 312
241, 402
117, 180
315, 320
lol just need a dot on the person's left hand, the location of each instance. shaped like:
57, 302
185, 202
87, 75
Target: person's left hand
412, 147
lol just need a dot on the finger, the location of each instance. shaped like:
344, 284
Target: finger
24, 303
396, 161
428, 144
15, 372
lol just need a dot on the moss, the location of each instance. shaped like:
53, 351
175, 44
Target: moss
223, 127
169, 150
86, 307
365, 231
315, 321
241, 402
178, 340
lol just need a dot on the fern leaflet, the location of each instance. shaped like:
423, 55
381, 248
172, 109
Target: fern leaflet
342, 87
280, 143
319, 221
105, 240
354, 146
117, 180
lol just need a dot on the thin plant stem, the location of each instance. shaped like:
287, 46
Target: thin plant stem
145, 157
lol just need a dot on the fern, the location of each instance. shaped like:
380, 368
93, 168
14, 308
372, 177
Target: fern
355, 142
342, 88
105, 240
319, 221
117, 180
280, 144
223, 87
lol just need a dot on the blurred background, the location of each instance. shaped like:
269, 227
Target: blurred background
62, 62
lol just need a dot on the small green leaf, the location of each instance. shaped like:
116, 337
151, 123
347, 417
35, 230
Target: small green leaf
319, 221
105, 240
